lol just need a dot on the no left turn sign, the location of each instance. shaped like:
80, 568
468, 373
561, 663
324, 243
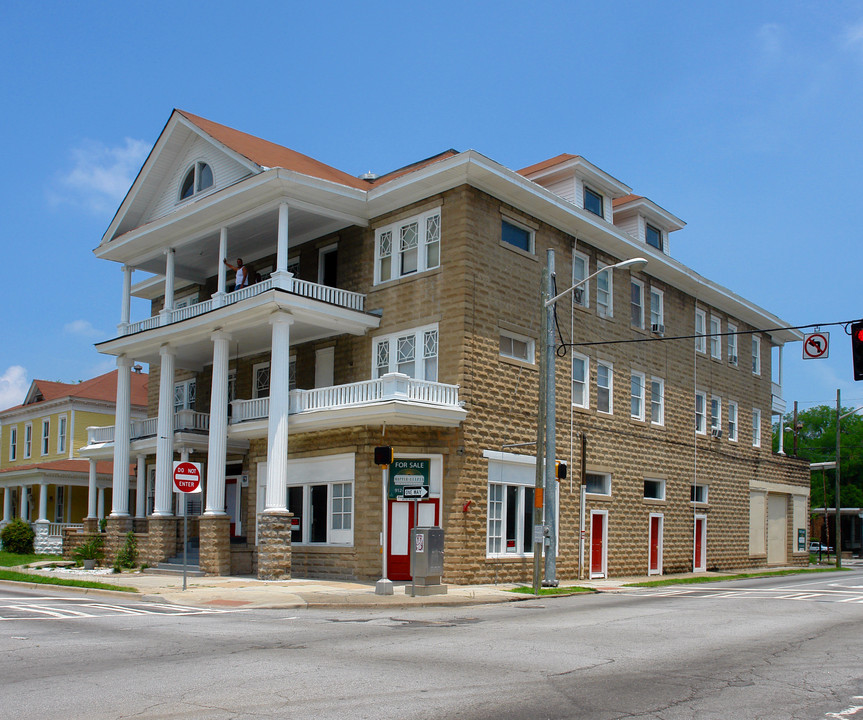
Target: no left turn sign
816, 346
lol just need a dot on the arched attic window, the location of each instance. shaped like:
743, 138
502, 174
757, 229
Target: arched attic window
197, 179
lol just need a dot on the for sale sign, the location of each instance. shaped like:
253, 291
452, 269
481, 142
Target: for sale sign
409, 479
187, 477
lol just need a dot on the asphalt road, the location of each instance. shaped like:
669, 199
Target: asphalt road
784, 648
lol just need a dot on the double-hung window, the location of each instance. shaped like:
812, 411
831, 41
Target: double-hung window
653, 236
732, 421
700, 410
604, 292
13, 443
715, 338
580, 380
593, 202
408, 246
700, 331
636, 395
732, 344
414, 353
580, 270
604, 387
46, 435
756, 427
657, 311
510, 507
636, 303
28, 439
715, 414
61, 434
657, 401
756, 355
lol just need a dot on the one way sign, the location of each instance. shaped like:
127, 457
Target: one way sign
816, 345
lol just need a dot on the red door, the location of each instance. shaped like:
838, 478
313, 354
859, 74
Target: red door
699, 544
655, 541
402, 517
597, 544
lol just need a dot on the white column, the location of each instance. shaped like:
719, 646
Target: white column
122, 437
126, 307
281, 277
223, 255
24, 511
169, 285
141, 488
7, 504
165, 434
100, 511
277, 433
43, 503
217, 445
91, 492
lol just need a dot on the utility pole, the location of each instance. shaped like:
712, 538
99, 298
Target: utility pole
550, 579
838, 532
538, 501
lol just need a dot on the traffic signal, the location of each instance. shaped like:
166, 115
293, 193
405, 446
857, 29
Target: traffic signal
560, 471
857, 348
383, 455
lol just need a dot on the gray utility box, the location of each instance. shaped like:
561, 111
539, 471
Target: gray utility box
427, 561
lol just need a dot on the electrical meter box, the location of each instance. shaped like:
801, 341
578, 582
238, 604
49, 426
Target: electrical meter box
427, 561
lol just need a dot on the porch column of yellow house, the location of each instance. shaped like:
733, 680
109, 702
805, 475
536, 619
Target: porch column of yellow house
7, 504
24, 510
274, 524
43, 503
215, 524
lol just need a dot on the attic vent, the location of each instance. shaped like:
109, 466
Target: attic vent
369, 176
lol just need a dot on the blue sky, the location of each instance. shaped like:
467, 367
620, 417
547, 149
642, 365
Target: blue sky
742, 118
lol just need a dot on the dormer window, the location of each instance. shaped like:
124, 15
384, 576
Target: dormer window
593, 201
198, 179
653, 236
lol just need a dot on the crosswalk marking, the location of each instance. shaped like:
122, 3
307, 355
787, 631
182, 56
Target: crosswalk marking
52, 608
784, 593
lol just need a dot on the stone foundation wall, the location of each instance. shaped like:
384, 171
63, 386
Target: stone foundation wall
215, 552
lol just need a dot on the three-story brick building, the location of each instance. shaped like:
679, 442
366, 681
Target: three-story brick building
403, 310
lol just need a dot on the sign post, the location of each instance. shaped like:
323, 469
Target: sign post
187, 480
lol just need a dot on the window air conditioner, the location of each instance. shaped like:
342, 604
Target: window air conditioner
716, 432
657, 328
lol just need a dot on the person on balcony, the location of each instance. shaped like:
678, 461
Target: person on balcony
242, 278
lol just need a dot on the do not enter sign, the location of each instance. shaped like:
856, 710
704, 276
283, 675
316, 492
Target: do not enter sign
187, 477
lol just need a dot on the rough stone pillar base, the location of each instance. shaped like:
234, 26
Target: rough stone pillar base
115, 536
162, 540
215, 536
274, 546
91, 526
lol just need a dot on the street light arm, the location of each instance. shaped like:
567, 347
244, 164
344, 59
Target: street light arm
622, 264
851, 412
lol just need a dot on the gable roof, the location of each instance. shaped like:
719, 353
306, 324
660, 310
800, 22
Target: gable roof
102, 388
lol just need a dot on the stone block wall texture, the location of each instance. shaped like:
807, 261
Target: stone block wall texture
485, 286
215, 544
274, 546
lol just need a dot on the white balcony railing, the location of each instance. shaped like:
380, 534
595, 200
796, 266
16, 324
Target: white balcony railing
324, 293
393, 386
183, 420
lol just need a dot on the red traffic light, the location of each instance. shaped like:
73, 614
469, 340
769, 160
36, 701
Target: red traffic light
857, 348
860, 334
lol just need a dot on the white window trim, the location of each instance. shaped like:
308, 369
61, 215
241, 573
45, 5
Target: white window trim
701, 427
13, 443
640, 285
186, 384
530, 342
585, 383
661, 482
610, 367
582, 291
701, 339
657, 318
661, 383
715, 337
602, 200
696, 501
395, 246
255, 368
28, 440
531, 234
605, 310
62, 433
326, 250
732, 345
45, 438
733, 424
196, 189
419, 348
641, 397
326, 470
659, 231
756, 427
607, 482
717, 425
756, 355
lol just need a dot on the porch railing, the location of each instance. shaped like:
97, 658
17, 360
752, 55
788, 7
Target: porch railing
324, 293
183, 420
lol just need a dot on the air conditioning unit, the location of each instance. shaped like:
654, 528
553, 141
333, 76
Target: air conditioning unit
657, 328
579, 296
716, 432
732, 359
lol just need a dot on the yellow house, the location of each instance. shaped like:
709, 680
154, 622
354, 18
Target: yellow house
43, 478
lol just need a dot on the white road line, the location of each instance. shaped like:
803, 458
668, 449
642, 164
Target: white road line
116, 608
51, 612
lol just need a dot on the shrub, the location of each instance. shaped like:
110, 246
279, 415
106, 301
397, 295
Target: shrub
127, 554
17, 537
90, 550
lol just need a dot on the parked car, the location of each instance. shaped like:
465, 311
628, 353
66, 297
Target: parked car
816, 546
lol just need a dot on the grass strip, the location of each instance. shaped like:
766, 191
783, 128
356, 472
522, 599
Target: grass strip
67, 582
722, 578
8, 559
524, 589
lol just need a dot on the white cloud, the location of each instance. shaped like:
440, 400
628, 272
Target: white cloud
100, 176
82, 328
13, 386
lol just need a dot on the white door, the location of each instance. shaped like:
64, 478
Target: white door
777, 529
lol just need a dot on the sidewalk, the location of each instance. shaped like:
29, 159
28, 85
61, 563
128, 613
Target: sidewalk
249, 592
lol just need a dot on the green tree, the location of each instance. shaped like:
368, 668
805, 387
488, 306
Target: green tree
816, 442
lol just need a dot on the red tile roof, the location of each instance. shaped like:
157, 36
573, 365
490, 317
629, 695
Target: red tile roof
103, 387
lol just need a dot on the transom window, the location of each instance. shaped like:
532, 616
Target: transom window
516, 235
593, 201
517, 347
198, 178
597, 483
408, 246
654, 489
414, 353
653, 236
